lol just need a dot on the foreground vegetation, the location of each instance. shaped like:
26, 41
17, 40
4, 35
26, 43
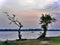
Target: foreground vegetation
51, 41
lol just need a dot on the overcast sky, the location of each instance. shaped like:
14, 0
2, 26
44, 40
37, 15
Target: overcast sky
29, 12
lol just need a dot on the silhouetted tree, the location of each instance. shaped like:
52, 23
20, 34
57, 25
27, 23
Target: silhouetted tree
44, 21
16, 22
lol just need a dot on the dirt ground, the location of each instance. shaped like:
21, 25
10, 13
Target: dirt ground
49, 43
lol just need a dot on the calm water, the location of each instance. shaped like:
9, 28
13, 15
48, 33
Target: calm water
28, 35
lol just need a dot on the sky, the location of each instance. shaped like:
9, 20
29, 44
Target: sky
28, 12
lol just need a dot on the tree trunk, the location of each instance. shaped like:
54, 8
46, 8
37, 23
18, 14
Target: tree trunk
43, 34
19, 35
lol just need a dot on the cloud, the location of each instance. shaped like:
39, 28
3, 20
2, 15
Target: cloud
54, 7
20, 5
36, 3
28, 4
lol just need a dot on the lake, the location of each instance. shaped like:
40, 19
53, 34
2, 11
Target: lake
12, 35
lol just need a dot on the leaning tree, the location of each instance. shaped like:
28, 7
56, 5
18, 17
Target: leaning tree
16, 22
45, 20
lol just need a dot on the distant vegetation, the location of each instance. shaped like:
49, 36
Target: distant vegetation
28, 30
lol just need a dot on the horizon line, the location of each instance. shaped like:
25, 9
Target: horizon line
28, 30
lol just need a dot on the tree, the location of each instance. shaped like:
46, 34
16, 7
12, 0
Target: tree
45, 20
16, 22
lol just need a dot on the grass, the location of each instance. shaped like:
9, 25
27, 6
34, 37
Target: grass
53, 40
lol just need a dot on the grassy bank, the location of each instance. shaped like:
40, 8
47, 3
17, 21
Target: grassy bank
55, 39
52, 41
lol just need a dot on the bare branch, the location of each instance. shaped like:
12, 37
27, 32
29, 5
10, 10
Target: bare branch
12, 19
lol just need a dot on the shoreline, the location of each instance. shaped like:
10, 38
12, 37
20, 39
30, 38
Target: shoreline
29, 39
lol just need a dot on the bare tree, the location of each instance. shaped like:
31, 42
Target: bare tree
16, 22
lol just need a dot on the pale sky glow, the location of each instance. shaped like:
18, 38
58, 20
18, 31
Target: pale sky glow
28, 11
2, 2
41, 4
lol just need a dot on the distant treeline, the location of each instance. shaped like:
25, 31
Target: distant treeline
27, 30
